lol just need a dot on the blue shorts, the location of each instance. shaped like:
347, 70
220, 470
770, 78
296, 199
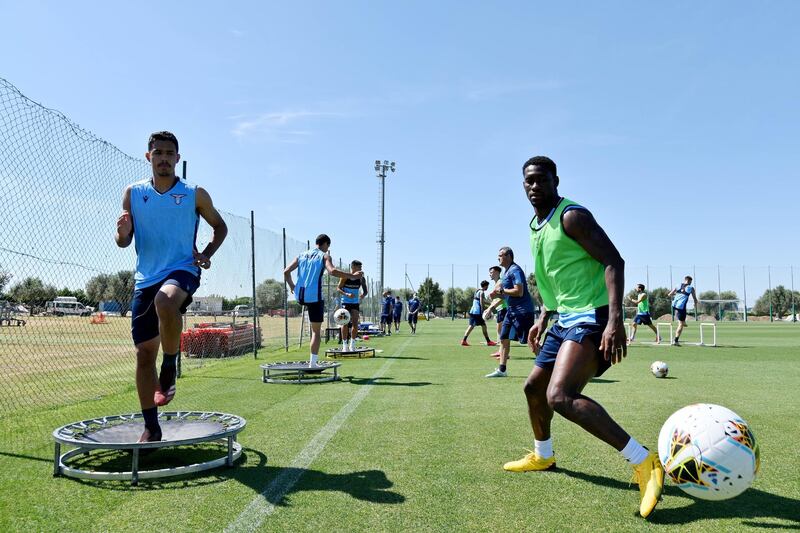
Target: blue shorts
679, 314
316, 311
643, 318
517, 326
413, 317
144, 324
557, 335
501, 315
385, 319
397, 317
476, 320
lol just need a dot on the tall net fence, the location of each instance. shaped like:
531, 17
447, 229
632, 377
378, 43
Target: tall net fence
66, 288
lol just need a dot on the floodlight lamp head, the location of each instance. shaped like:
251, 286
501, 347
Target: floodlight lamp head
392, 166
385, 163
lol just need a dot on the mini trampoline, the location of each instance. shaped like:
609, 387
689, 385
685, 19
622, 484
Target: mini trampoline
121, 432
300, 372
360, 351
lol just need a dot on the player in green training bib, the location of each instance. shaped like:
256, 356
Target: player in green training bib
580, 276
642, 313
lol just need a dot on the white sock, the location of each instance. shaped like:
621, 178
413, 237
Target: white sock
312, 360
634, 452
352, 344
543, 448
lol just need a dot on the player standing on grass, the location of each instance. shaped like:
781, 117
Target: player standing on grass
413, 313
498, 304
580, 276
310, 266
680, 297
397, 312
520, 314
352, 292
642, 313
387, 304
479, 300
161, 215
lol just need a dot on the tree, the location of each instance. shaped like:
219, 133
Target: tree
97, 288
5, 277
430, 295
459, 300
32, 291
780, 299
269, 295
660, 302
533, 288
120, 289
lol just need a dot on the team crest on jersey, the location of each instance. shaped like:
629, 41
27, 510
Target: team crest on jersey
178, 198
145, 198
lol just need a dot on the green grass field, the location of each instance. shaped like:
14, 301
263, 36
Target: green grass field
415, 438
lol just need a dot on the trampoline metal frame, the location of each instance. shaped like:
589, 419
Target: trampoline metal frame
68, 435
300, 372
358, 352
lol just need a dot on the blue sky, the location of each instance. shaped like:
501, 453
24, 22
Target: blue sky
675, 123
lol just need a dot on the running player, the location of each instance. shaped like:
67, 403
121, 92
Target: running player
498, 304
413, 313
580, 276
397, 312
519, 314
308, 290
479, 301
642, 313
161, 214
680, 297
349, 290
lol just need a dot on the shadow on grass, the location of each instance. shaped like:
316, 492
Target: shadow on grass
27, 457
274, 482
401, 357
753, 504
601, 380
386, 381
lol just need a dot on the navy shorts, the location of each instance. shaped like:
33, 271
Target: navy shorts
517, 326
679, 314
476, 320
557, 335
385, 319
352, 307
316, 311
413, 317
643, 318
144, 325
501, 315
397, 317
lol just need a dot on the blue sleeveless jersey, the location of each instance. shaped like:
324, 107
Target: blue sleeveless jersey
164, 230
413, 305
311, 265
477, 304
682, 296
352, 289
398, 306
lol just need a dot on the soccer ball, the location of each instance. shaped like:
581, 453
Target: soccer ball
341, 317
708, 451
659, 369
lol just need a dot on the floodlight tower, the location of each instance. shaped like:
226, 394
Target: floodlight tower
380, 171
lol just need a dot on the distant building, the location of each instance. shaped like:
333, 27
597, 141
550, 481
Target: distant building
206, 305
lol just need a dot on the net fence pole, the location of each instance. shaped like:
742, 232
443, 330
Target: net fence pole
794, 312
744, 291
452, 292
719, 295
253, 272
769, 283
647, 276
694, 280
184, 170
285, 299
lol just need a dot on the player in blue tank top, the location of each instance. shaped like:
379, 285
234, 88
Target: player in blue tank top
680, 297
310, 266
160, 215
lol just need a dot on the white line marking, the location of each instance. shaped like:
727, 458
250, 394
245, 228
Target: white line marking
261, 506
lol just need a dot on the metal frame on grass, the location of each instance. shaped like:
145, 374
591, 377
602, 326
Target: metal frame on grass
298, 372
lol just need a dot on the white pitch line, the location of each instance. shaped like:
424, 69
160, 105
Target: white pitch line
261, 507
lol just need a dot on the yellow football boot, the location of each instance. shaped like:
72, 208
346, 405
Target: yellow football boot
650, 477
530, 463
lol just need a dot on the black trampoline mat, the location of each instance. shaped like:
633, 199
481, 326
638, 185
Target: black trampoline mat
172, 430
302, 366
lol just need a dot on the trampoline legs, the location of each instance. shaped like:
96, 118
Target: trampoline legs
135, 467
229, 461
57, 461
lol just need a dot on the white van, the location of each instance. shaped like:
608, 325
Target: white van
67, 305
242, 310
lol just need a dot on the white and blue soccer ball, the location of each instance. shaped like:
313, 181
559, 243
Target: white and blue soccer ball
341, 317
709, 451
659, 369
